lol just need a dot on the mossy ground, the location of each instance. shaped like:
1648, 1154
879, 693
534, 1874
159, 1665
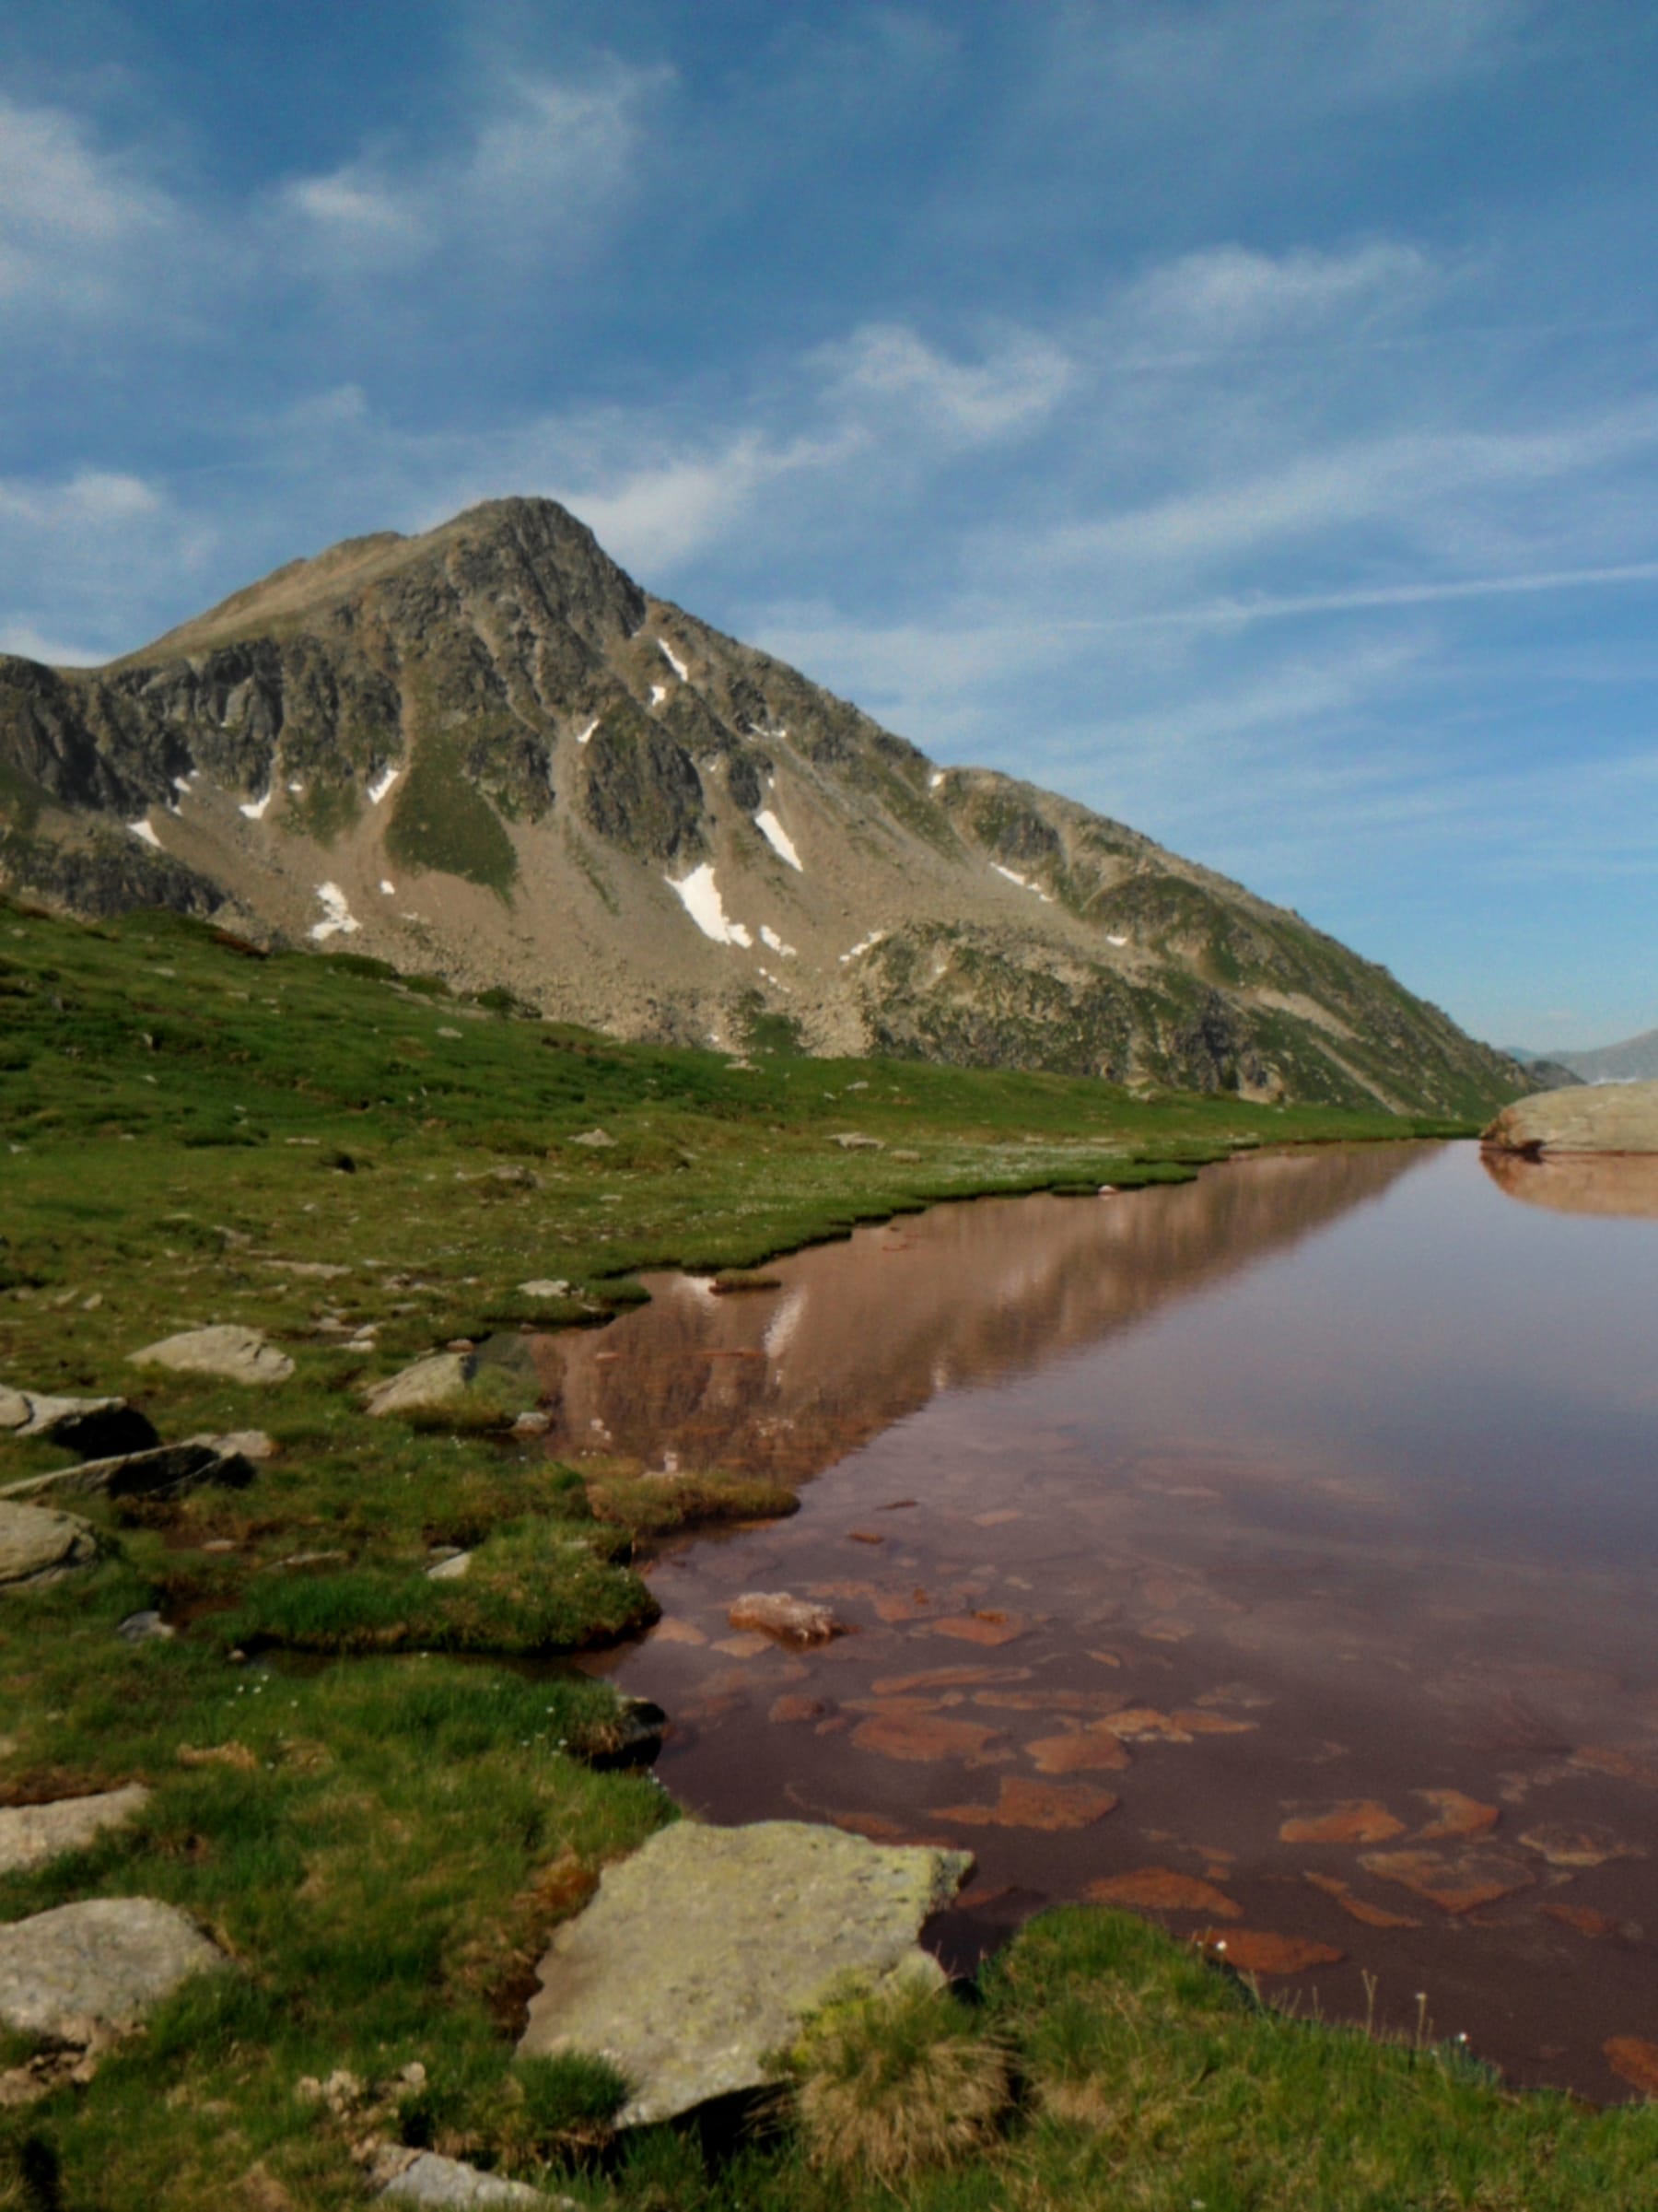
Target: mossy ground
380, 1810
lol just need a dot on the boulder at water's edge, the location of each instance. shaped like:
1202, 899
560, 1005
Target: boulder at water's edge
702, 1954
1591, 1118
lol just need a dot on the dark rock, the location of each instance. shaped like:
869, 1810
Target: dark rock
96, 1426
171, 1471
633, 1741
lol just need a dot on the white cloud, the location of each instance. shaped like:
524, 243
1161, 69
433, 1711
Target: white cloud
1016, 386
656, 516
93, 497
1230, 296
78, 223
544, 164
1427, 486
30, 644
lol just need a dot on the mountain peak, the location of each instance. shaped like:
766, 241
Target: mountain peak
483, 748
291, 596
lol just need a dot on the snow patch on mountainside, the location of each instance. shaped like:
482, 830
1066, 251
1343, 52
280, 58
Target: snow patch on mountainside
1023, 881
778, 837
338, 920
699, 894
864, 944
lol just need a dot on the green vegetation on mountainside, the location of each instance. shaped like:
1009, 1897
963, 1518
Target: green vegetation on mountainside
383, 1836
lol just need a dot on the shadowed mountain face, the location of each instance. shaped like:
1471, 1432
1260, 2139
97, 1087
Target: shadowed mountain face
487, 750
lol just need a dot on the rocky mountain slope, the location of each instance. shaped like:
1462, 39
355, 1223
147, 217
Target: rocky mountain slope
486, 751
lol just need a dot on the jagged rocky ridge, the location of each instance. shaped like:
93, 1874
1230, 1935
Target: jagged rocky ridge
488, 751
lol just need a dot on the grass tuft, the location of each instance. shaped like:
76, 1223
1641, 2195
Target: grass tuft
897, 2082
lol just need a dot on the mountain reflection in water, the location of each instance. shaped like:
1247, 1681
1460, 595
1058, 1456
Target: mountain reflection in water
861, 1334
1272, 1553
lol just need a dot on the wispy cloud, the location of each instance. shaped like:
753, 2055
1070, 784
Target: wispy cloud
542, 164
1239, 60
889, 368
79, 222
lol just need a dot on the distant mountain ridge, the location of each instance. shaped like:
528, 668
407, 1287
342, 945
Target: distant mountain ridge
1633, 1060
487, 750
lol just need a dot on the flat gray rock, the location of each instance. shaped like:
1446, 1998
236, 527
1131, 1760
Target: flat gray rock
438, 1380
1588, 1117
39, 1546
171, 1471
31, 1834
247, 1444
701, 1953
434, 2181
239, 1355
105, 1963
80, 1424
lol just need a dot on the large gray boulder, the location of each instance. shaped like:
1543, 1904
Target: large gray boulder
92, 1426
1591, 1118
31, 1834
105, 1963
701, 1955
38, 1546
228, 1350
432, 1383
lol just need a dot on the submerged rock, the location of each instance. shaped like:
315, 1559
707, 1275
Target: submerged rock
31, 1834
1164, 1889
777, 1614
1260, 1951
105, 1963
38, 1546
701, 1955
227, 1349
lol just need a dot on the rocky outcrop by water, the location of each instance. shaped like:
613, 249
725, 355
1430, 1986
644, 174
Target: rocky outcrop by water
1598, 1117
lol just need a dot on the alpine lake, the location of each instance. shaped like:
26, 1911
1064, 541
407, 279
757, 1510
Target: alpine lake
1273, 1554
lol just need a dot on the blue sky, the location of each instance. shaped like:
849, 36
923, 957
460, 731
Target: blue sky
1240, 414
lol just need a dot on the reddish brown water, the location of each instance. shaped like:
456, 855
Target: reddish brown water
1291, 1532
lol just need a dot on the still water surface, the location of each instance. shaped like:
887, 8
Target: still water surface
1277, 1550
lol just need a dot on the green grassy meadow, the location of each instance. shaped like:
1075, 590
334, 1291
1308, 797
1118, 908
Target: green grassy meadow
357, 1785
